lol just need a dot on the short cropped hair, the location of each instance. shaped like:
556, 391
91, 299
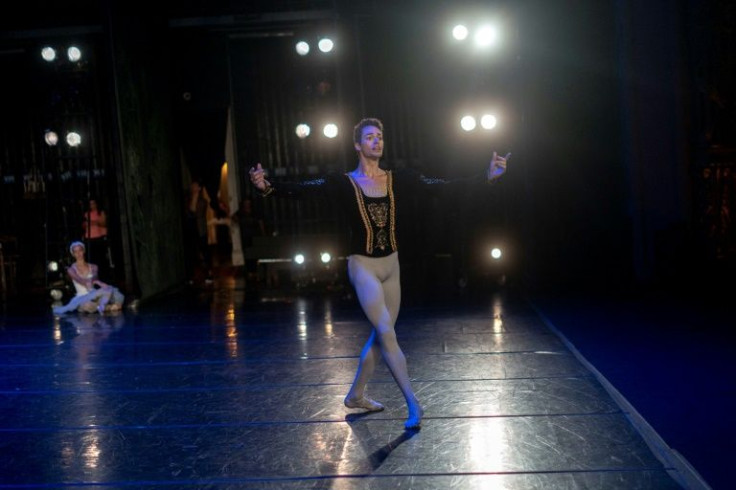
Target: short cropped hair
368, 121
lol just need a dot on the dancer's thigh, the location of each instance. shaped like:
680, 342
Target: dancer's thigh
369, 291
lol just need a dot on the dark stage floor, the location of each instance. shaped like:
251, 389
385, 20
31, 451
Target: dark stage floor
226, 388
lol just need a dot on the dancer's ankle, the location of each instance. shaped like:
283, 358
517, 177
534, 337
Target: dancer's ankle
414, 422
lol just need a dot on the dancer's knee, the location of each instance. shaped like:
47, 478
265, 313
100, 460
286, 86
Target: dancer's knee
387, 338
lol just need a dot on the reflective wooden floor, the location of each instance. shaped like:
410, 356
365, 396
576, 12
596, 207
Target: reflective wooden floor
221, 389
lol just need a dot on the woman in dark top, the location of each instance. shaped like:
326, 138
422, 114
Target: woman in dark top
371, 195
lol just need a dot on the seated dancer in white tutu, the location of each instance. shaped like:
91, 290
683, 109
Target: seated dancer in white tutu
92, 295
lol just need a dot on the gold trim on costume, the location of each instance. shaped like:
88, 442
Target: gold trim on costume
392, 209
364, 212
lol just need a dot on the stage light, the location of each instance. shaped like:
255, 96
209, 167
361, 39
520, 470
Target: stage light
74, 54
302, 48
496, 253
50, 137
330, 130
48, 53
53, 266
460, 32
299, 259
56, 294
73, 139
486, 36
488, 121
303, 130
326, 44
325, 257
467, 123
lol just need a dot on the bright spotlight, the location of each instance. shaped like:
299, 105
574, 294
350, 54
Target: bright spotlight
303, 130
53, 266
74, 54
467, 123
326, 45
460, 32
73, 139
488, 121
50, 137
486, 36
299, 259
302, 48
325, 257
48, 53
496, 253
330, 130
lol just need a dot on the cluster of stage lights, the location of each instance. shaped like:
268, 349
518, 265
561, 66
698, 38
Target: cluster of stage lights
484, 36
329, 130
73, 54
325, 45
72, 138
324, 257
487, 122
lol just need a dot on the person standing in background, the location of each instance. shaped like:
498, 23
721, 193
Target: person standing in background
196, 222
94, 227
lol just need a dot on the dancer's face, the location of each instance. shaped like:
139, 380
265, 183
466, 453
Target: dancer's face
371, 142
78, 252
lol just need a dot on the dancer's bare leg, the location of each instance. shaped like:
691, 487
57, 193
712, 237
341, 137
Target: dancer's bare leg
377, 285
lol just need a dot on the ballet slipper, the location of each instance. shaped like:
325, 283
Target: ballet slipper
364, 403
414, 422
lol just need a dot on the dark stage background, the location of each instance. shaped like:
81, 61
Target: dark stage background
619, 116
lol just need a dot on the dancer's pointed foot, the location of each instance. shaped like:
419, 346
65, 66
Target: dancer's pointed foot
414, 422
364, 403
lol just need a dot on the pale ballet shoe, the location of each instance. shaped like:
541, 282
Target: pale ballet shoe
364, 403
414, 422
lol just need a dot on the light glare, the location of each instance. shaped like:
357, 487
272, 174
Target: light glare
496, 253
325, 257
303, 130
73, 139
330, 130
325, 45
486, 36
302, 48
74, 54
299, 259
48, 53
51, 138
488, 121
460, 32
467, 123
